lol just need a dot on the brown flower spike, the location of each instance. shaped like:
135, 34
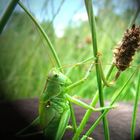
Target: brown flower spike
123, 55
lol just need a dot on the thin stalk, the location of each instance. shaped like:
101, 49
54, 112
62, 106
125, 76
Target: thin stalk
56, 13
86, 117
91, 17
89, 112
7, 13
106, 83
115, 97
93, 103
44, 35
74, 124
133, 20
110, 71
133, 124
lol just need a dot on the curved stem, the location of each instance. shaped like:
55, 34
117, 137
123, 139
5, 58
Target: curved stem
44, 35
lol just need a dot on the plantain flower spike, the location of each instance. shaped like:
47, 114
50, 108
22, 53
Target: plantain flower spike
123, 54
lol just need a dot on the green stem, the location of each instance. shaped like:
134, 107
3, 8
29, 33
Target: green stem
109, 72
74, 124
86, 117
106, 83
89, 8
133, 125
44, 35
115, 97
88, 112
134, 17
7, 13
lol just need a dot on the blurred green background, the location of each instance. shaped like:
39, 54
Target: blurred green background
25, 58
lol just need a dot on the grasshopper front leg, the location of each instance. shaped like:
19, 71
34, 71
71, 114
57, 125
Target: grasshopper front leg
78, 102
86, 106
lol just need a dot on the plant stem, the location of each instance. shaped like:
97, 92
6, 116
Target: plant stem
93, 103
106, 83
7, 13
91, 17
133, 125
85, 118
134, 17
74, 124
109, 72
44, 35
115, 97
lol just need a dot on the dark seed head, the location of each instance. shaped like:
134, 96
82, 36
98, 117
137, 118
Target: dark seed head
123, 54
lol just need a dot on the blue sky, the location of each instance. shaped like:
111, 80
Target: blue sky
71, 10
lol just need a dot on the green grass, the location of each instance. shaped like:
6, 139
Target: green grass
25, 59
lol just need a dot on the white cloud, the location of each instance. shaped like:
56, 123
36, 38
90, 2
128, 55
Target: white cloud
59, 30
60, 27
80, 17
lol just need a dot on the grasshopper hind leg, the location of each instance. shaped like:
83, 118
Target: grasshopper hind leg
35, 122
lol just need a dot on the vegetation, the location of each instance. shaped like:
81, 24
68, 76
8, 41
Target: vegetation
25, 59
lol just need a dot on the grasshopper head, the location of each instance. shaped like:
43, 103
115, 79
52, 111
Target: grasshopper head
59, 78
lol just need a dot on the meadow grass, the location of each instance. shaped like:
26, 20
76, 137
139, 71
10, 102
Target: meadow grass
25, 60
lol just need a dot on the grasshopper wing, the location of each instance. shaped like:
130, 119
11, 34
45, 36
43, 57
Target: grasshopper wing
63, 124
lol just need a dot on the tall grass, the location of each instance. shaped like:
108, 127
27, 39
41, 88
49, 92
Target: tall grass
29, 62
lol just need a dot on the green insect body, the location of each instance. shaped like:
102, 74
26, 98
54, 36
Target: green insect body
53, 105
54, 109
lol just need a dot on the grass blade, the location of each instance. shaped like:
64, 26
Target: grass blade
7, 13
44, 35
133, 125
91, 17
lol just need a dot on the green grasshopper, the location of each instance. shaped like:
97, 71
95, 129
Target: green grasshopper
54, 102
54, 110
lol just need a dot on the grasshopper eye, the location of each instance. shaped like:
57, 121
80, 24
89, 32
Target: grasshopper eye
56, 75
61, 85
48, 104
